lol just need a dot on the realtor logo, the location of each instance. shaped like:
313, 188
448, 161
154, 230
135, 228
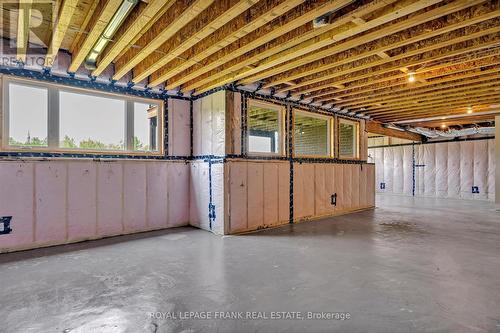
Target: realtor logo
25, 21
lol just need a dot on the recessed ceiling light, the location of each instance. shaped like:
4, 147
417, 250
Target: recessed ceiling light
443, 126
411, 77
469, 109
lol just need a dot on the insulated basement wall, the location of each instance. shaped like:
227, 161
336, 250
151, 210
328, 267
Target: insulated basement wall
179, 123
257, 195
444, 170
209, 141
59, 202
209, 124
200, 196
315, 183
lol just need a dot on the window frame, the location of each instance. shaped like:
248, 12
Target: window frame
357, 135
281, 110
53, 119
330, 126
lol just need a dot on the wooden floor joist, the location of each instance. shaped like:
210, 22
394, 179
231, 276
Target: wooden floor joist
261, 14
145, 17
62, 23
320, 70
273, 63
394, 88
365, 38
104, 12
270, 39
23, 29
210, 20
178, 15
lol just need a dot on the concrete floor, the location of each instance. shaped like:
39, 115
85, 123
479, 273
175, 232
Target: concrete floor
411, 265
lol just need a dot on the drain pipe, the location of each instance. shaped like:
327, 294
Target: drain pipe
452, 133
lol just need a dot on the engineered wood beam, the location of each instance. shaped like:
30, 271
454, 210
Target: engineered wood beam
262, 13
209, 21
63, 20
84, 27
102, 15
174, 19
23, 29
378, 128
145, 18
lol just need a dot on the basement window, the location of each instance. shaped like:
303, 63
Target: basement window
265, 128
27, 121
348, 139
50, 118
312, 134
78, 127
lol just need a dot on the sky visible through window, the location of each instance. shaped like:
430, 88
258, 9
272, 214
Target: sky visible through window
85, 117
28, 116
86, 121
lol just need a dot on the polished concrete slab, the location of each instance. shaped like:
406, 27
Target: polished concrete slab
411, 265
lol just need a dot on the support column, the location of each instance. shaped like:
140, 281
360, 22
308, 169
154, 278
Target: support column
497, 154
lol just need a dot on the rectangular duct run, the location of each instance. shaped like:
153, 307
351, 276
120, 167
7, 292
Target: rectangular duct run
459, 170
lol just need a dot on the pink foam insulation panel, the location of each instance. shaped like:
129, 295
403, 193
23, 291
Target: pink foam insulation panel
58, 202
178, 127
258, 194
315, 183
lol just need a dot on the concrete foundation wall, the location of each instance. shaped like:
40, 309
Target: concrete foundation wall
444, 170
58, 202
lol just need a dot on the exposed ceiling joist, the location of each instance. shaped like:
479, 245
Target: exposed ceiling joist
270, 39
207, 22
143, 19
103, 13
179, 15
281, 61
63, 21
23, 29
386, 44
257, 16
